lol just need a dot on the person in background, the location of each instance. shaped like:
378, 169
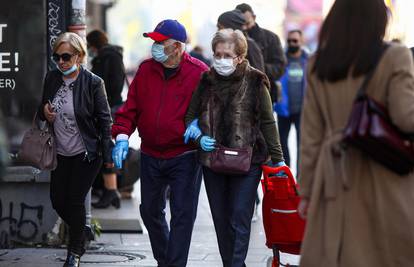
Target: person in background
412, 51
74, 101
293, 82
197, 53
107, 63
237, 97
156, 105
272, 51
358, 212
235, 20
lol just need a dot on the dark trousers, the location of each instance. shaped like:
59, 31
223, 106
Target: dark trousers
284, 124
183, 176
70, 183
232, 200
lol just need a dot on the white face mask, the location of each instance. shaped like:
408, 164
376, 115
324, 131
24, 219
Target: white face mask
224, 66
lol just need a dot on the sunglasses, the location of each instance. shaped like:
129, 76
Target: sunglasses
293, 41
65, 57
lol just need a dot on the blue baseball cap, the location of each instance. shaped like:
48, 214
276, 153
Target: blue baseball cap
168, 29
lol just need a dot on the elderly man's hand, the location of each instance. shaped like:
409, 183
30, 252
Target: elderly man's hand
192, 132
120, 152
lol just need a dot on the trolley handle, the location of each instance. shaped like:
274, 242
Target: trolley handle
268, 170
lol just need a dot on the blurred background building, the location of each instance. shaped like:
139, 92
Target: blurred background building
126, 20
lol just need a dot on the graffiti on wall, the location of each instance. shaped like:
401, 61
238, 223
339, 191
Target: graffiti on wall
20, 223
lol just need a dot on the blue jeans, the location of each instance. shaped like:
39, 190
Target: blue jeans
232, 200
183, 175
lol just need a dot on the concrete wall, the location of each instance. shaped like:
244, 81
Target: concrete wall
26, 213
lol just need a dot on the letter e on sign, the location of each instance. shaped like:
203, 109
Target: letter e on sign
4, 61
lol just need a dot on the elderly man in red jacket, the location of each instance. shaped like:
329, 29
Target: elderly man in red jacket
157, 102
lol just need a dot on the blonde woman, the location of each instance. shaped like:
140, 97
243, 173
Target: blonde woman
74, 102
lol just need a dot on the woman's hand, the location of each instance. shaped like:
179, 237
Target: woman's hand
303, 208
207, 143
49, 114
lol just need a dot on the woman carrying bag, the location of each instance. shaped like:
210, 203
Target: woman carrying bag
74, 101
231, 118
359, 211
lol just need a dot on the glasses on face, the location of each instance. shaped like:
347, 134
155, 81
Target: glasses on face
65, 57
292, 41
217, 57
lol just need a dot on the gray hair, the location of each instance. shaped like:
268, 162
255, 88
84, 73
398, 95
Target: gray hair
235, 37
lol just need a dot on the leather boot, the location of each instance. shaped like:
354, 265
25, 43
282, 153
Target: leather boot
110, 197
72, 260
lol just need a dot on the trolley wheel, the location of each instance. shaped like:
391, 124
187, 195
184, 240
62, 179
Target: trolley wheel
275, 262
269, 262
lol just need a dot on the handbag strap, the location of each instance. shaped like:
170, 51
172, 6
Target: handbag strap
49, 125
370, 74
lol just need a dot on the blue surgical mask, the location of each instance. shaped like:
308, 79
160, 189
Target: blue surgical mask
69, 71
157, 51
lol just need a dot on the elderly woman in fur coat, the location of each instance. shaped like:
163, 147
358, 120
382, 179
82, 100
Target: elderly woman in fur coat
232, 107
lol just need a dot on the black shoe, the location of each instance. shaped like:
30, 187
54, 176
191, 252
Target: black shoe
110, 197
72, 260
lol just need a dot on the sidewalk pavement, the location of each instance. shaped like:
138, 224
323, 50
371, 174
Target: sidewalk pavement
114, 249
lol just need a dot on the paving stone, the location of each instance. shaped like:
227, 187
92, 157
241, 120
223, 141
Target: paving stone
203, 249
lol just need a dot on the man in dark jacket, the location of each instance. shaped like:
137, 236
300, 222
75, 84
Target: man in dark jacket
269, 43
235, 20
107, 63
157, 102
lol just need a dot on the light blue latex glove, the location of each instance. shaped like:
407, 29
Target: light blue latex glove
207, 143
120, 152
279, 164
192, 132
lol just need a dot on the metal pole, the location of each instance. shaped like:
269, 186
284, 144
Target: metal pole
77, 18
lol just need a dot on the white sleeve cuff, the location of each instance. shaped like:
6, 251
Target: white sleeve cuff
120, 137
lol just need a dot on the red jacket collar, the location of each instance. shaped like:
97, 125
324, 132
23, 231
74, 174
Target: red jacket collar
159, 68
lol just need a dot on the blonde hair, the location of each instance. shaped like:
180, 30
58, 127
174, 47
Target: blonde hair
235, 37
74, 40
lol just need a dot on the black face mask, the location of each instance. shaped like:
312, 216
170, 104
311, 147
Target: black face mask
293, 49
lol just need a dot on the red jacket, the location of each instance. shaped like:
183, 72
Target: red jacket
157, 107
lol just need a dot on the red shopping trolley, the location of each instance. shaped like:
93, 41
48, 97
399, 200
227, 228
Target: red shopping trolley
283, 227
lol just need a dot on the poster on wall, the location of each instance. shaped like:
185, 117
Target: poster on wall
22, 64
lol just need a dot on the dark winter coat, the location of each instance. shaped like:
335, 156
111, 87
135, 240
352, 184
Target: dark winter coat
109, 66
254, 55
273, 54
